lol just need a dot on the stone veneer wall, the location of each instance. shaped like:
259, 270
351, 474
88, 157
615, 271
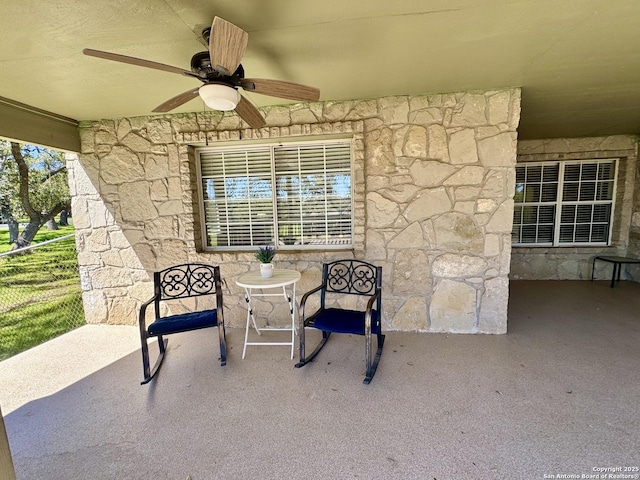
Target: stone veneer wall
574, 263
434, 182
633, 250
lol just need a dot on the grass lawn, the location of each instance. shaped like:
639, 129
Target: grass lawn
40, 296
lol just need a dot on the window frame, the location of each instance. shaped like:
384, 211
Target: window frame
272, 145
559, 203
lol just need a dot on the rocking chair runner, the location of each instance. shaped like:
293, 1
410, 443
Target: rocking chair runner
180, 282
346, 277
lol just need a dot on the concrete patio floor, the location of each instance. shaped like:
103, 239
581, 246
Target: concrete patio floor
558, 395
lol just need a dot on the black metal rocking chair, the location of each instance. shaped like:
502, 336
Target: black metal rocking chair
346, 277
175, 283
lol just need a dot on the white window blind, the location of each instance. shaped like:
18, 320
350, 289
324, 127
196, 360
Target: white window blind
564, 203
293, 195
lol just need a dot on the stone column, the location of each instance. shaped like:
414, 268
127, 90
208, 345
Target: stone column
6, 464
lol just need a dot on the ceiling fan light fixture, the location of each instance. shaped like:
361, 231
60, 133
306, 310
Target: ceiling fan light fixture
219, 97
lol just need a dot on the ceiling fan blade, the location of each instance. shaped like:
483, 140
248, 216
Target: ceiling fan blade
249, 113
227, 45
136, 61
281, 89
176, 101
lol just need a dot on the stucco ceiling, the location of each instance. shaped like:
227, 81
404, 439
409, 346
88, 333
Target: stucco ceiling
577, 61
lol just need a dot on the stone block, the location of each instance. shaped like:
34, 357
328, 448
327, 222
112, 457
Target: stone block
136, 143
122, 310
362, 109
159, 131
412, 237
156, 166
469, 111
81, 217
379, 154
458, 233
412, 315
495, 185
466, 193
394, 110
98, 214
499, 105
161, 227
336, 111
430, 173
498, 151
502, 218
493, 307
82, 182
401, 193
462, 147
427, 204
121, 165
95, 306
277, 116
411, 273
467, 208
438, 143
105, 135
415, 142
485, 205
492, 245
455, 265
381, 211
470, 175
375, 245
136, 204
453, 307
109, 277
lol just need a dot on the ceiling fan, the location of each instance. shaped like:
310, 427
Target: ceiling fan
221, 73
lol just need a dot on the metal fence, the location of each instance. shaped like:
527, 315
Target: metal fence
40, 295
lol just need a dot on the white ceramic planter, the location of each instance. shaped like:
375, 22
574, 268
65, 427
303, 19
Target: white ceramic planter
266, 270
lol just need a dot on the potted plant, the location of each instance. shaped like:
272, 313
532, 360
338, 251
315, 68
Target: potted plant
265, 257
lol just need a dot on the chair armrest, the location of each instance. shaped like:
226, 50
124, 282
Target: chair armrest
143, 311
303, 302
367, 313
219, 305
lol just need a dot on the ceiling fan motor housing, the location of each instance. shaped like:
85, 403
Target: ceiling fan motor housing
206, 34
201, 66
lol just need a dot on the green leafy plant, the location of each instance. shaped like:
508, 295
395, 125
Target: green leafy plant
265, 254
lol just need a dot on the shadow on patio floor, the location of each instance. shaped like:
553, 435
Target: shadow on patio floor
557, 395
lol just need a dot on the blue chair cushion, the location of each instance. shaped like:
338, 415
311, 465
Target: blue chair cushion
184, 322
345, 321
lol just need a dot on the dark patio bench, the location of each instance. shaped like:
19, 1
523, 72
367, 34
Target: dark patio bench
617, 265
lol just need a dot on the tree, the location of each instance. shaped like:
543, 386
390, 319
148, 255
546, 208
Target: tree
33, 183
7, 167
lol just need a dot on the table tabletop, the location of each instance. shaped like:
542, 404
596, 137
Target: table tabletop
613, 258
281, 278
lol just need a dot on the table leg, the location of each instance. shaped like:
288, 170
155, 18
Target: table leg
616, 266
246, 330
619, 268
250, 317
291, 299
292, 303
593, 268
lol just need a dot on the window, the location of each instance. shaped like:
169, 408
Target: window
293, 195
564, 203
